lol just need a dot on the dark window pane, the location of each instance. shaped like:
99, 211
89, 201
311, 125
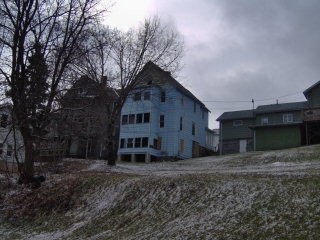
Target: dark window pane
131, 118
146, 95
163, 96
137, 142
122, 143
145, 142
124, 119
137, 96
146, 118
9, 150
181, 121
161, 121
130, 143
193, 128
139, 118
4, 120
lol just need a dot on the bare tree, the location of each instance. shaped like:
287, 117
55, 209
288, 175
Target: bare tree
122, 56
51, 29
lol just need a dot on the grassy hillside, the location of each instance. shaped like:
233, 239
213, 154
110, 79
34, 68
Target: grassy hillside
267, 195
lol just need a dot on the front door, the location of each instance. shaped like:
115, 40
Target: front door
243, 146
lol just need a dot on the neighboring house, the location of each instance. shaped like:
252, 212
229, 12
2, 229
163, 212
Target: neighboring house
279, 126
11, 142
235, 134
161, 120
85, 110
271, 127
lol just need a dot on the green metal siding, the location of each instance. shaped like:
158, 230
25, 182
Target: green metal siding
277, 118
229, 131
277, 138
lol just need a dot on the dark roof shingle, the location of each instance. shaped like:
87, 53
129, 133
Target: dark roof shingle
294, 106
244, 114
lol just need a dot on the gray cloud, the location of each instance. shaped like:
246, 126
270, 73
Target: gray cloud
244, 49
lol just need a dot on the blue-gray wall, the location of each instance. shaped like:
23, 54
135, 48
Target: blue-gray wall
176, 105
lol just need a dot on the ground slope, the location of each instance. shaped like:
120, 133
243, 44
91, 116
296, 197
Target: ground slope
262, 195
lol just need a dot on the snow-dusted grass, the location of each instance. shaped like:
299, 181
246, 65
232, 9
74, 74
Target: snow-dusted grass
266, 195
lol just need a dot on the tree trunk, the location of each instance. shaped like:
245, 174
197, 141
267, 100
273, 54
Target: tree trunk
28, 169
27, 173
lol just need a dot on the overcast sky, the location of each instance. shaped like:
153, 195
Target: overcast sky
238, 50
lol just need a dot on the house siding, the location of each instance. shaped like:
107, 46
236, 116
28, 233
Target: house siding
277, 137
277, 118
229, 131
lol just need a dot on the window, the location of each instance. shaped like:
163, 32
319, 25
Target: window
137, 96
146, 96
287, 118
181, 123
163, 96
122, 143
157, 143
182, 100
193, 128
146, 117
130, 143
145, 142
161, 121
194, 107
264, 120
181, 145
139, 118
1, 148
4, 120
9, 150
237, 123
82, 91
137, 142
124, 119
132, 118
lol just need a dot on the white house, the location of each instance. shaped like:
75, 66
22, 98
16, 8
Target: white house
161, 120
11, 142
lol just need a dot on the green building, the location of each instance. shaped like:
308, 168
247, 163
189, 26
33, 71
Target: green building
271, 127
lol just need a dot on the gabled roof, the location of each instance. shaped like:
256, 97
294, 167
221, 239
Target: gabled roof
306, 92
162, 77
284, 107
236, 115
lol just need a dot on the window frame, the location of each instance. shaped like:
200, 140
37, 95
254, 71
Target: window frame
144, 142
161, 121
125, 119
238, 122
130, 142
131, 119
193, 130
137, 96
264, 120
286, 116
137, 143
163, 96
146, 95
146, 117
139, 118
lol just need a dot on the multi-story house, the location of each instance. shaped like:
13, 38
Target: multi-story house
11, 142
83, 120
161, 119
271, 127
